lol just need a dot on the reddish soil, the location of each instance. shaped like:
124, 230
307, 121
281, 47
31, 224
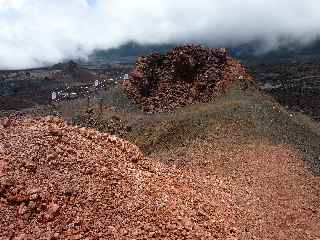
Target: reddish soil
63, 182
275, 196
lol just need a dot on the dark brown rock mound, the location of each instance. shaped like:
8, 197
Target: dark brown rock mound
185, 75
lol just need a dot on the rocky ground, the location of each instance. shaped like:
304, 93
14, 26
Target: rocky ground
64, 182
241, 168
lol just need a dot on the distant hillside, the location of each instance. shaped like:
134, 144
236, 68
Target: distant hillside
130, 50
293, 49
253, 50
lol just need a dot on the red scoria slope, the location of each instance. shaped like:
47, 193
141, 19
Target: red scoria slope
185, 75
64, 182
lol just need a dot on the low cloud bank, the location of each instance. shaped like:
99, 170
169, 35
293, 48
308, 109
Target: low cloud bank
35, 33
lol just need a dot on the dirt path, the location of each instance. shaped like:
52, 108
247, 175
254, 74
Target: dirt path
276, 196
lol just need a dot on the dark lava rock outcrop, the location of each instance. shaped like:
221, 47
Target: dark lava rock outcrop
185, 75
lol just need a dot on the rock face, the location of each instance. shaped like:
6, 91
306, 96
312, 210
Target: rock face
185, 75
63, 182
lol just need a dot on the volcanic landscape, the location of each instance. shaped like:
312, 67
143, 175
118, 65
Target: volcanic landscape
187, 144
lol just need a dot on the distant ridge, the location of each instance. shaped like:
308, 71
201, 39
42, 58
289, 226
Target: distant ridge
247, 51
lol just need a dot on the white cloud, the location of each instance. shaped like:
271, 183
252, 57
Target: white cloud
36, 32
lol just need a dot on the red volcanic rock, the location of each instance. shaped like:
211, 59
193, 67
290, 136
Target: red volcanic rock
89, 185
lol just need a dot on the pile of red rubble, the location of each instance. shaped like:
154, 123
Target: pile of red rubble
185, 75
65, 182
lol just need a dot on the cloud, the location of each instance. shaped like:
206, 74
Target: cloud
40, 32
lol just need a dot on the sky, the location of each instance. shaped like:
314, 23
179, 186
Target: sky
35, 33
91, 2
